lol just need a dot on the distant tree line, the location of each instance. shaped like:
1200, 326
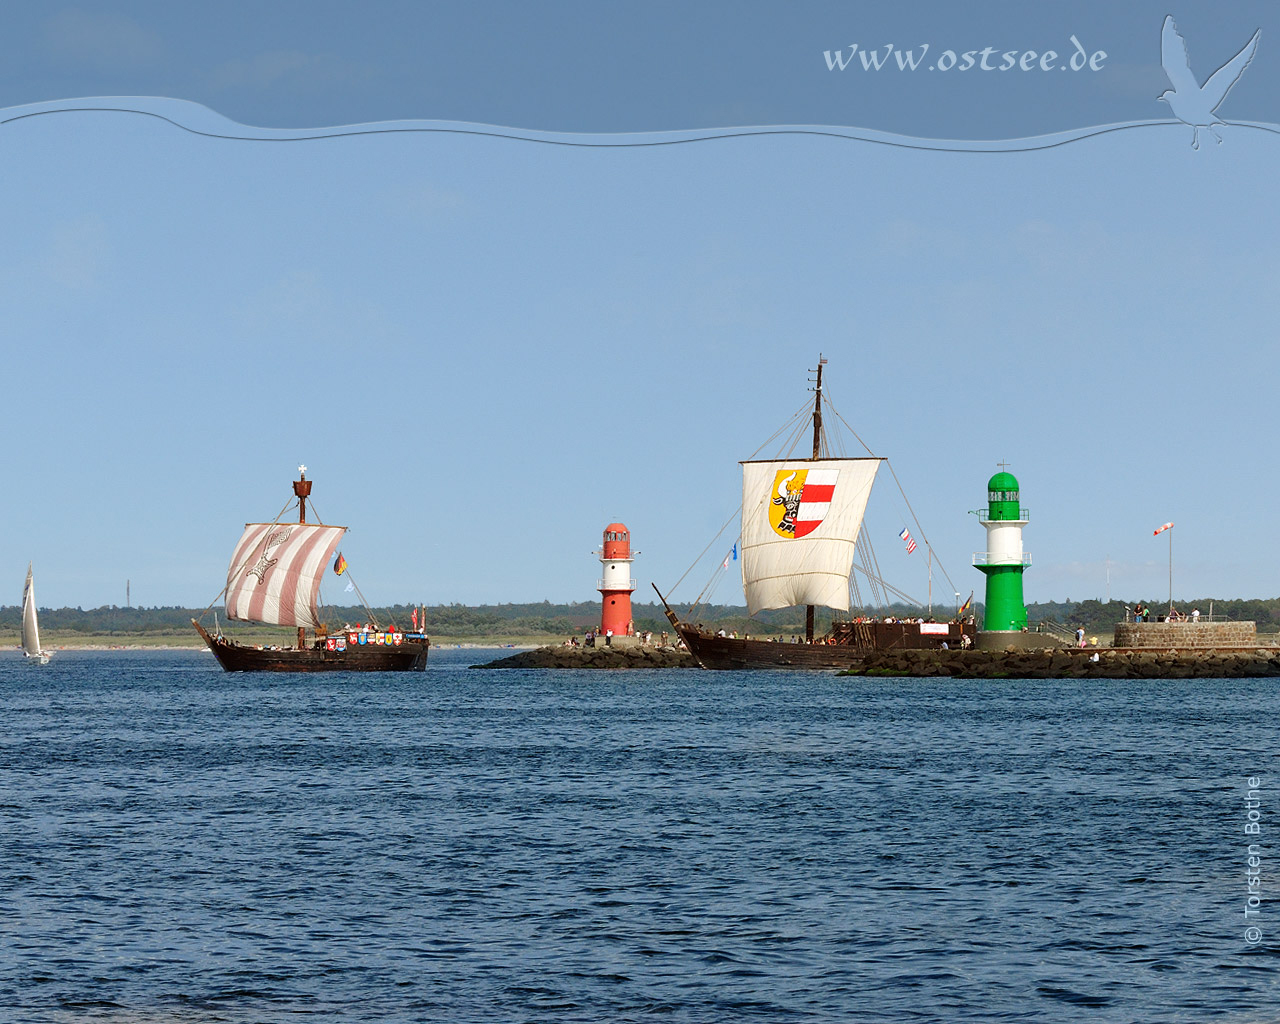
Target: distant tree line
495, 620
107, 619
499, 620
545, 618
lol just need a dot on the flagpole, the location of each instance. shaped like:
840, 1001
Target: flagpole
1168, 527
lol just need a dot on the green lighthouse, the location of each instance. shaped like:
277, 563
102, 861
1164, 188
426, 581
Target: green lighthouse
1004, 561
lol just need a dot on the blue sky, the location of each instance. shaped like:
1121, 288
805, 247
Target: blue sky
486, 349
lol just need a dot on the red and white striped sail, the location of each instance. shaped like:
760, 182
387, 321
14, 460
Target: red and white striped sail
275, 572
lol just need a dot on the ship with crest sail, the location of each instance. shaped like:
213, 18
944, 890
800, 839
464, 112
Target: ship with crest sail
274, 578
801, 522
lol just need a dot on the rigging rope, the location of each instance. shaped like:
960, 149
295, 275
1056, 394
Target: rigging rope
795, 423
835, 412
355, 586
874, 564
794, 440
780, 430
914, 518
938, 561
867, 556
276, 522
710, 586
906, 598
705, 550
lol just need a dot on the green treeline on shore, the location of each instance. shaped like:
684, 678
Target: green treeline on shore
499, 621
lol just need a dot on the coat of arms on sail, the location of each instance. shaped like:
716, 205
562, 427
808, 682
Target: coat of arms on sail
800, 500
264, 563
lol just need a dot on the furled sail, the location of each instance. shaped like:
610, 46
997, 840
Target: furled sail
30, 628
275, 572
800, 522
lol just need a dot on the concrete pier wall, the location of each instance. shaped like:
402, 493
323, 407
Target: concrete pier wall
1000, 640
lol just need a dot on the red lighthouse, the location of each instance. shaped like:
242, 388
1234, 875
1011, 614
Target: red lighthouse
616, 584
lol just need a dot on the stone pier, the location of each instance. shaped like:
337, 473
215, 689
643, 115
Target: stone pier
1186, 635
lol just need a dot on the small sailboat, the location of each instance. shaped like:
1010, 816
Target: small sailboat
30, 627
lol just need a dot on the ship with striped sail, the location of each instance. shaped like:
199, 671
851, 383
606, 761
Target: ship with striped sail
274, 578
802, 541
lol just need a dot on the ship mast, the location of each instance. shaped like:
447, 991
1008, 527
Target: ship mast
302, 488
817, 447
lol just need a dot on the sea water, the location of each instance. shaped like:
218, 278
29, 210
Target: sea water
179, 844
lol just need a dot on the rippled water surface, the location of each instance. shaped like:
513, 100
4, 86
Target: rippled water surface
177, 844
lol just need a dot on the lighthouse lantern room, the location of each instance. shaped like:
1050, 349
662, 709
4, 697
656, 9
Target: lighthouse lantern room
616, 584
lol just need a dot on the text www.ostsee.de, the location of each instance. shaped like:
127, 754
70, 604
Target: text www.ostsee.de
987, 59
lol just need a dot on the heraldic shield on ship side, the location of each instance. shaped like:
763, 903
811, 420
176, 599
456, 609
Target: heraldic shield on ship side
801, 528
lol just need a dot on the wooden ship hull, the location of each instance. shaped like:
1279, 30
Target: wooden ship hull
410, 655
849, 643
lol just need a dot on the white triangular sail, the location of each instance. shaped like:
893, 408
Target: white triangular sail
800, 522
30, 627
275, 572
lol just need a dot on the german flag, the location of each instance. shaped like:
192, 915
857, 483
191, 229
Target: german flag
339, 564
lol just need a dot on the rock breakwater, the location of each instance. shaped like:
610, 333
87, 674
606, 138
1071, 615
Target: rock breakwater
1074, 664
597, 657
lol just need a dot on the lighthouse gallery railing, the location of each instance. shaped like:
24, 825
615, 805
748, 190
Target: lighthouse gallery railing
984, 516
996, 558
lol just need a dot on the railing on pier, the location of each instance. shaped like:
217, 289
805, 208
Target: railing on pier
1056, 629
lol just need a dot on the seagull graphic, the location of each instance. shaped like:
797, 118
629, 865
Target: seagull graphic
1191, 102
